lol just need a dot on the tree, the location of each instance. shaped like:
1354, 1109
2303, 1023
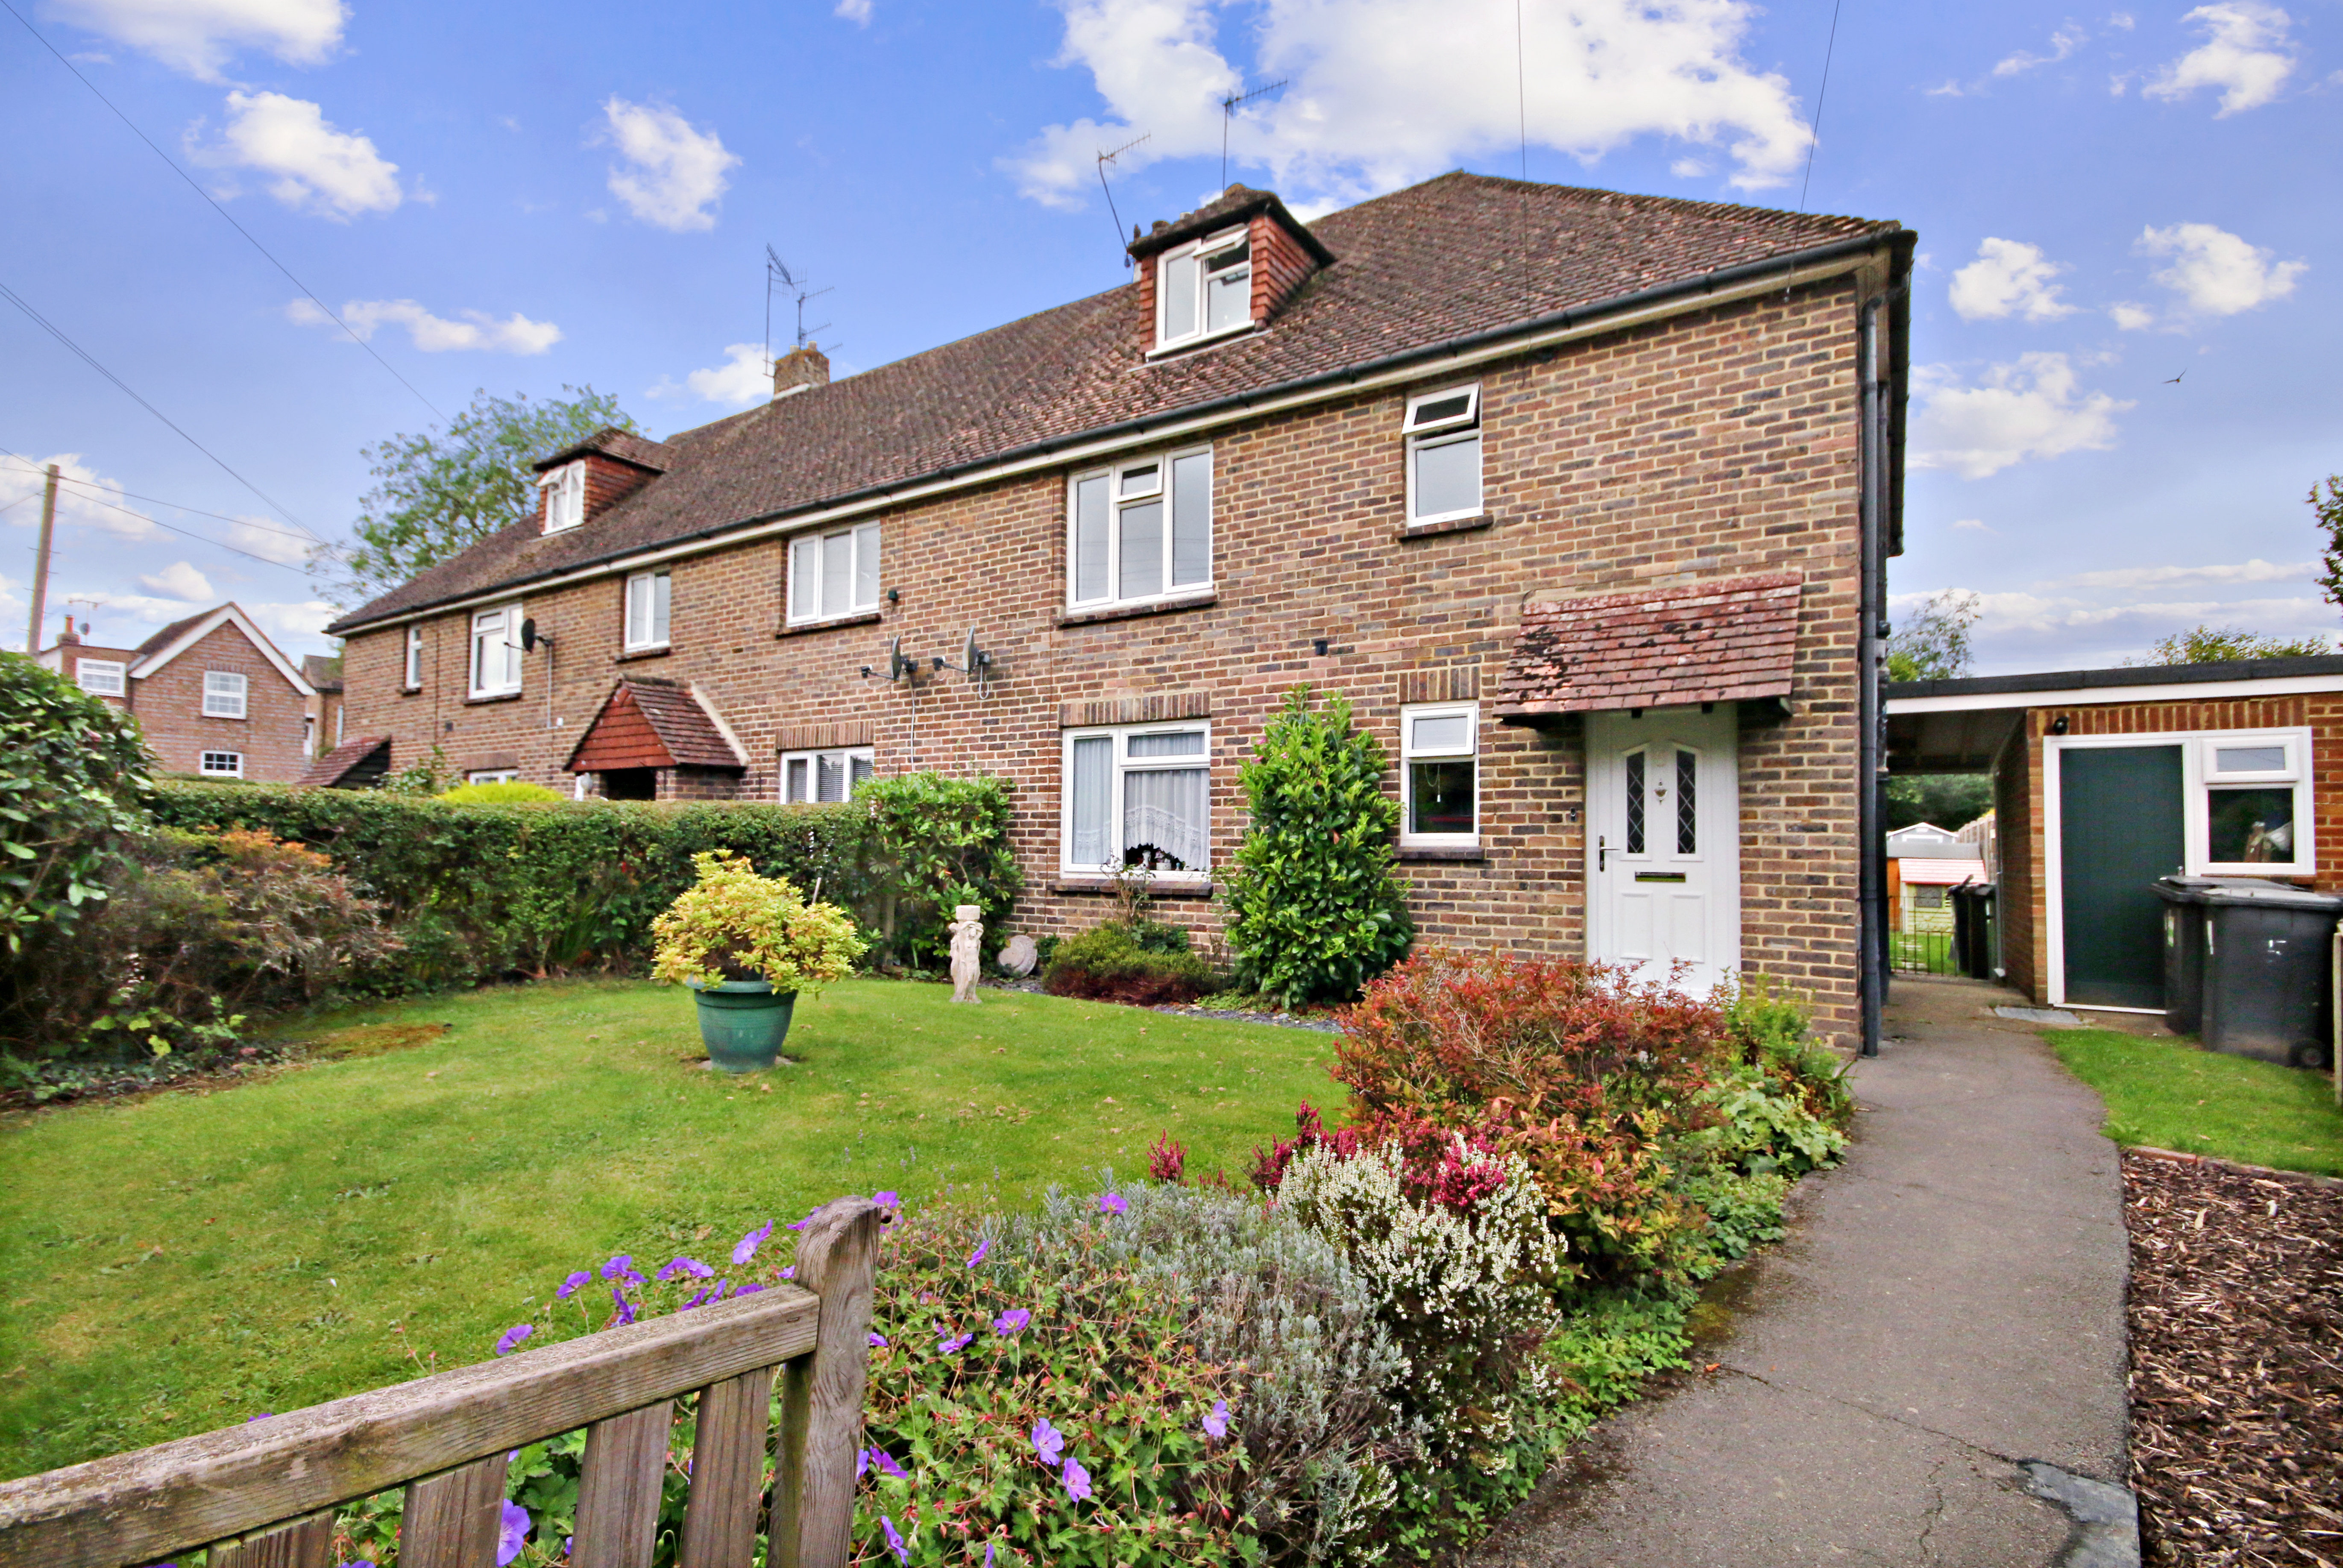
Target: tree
2328, 509
1932, 643
1948, 800
437, 493
2222, 644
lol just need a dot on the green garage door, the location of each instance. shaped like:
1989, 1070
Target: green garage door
2118, 830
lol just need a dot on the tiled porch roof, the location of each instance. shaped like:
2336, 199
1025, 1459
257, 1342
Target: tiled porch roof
1725, 641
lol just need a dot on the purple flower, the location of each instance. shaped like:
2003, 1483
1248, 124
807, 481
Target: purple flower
624, 1263
791, 1272
981, 1248
801, 1224
953, 1346
1010, 1322
569, 1286
748, 1246
1112, 1203
894, 1541
692, 1266
695, 1301
514, 1532
513, 1337
1078, 1481
1048, 1441
625, 1307
886, 1200
264, 1415
878, 1340
884, 1463
1216, 1425
746, 1290
987, 1555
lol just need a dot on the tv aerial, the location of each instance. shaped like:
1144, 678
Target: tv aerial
795, 287
1229, 108
1105, 158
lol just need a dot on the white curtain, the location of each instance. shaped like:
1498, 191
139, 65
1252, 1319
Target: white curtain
1090, 794
1168, 808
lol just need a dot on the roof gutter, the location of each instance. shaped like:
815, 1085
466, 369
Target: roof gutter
1828, 259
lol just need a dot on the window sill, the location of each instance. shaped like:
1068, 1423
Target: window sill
1461, 854
410, 691
1158, 889
225, 719
492, 698
630, 655
800, 628
1444, 526
1204, 600
1190, 344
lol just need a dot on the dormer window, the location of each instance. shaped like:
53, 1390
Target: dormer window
565, 497
1443, 455
1203, 289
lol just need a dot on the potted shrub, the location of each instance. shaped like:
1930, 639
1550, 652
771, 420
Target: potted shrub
747, 945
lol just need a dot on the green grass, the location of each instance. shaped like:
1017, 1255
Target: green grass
2169, 1094
182, 1261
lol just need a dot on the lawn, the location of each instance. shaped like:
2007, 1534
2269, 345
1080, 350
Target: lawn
2169, 1094
182, 1261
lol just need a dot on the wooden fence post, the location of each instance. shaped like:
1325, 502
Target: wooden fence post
821, 1392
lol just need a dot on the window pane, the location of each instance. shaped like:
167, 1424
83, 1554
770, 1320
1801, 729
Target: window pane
638, 610
2249, 758
1192, 518
1441, 408
829, 770
866, 567
1228, 299
662, 586
1164, 824
1448, 477
1142, 550
805, 579
858, 770
1142, 481
1442, 732
1090, 794
2251, 827
1179, 282
1173, 743
1687, 785
1634, 803
837, 572
1439, 797
793, 787
1090, 538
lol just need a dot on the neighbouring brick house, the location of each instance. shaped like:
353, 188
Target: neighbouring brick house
212, 694
1577, 497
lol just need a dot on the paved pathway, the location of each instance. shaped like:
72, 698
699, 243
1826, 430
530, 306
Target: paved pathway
1929, 1371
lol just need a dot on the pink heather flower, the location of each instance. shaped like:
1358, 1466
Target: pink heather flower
1048, 1441
1078, 1481
894, 1540
513, 1337
1112, 1203
748, 1246
981, 1248
515, 1531
1010, 1322
569, 1286
1216, 1425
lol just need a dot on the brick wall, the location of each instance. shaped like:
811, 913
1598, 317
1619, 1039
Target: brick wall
1713, 444
170, 709
1279, 265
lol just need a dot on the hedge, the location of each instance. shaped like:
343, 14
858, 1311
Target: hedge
478, 891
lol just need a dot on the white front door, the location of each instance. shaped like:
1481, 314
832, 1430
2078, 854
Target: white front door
1664, 844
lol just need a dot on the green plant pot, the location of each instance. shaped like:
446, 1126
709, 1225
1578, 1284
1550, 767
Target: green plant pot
743, 1023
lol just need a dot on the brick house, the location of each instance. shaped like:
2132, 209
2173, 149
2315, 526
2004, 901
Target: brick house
212, 694
1576, 496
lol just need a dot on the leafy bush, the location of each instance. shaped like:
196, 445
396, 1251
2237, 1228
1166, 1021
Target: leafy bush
735, 925
1134, 962
510, 792
73, 787
1314, 911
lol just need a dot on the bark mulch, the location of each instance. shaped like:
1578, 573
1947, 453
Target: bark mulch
2237, 1365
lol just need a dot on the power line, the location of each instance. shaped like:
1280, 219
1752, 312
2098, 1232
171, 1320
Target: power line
1820, 92
189, 533
157, 500
207, 196
17, 300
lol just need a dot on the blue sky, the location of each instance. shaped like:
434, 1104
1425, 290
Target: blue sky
521, 196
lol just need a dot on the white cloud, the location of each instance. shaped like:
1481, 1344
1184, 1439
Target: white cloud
1978, 524
855, 11
335, 174
270, 540
2008, 278
744, 377
2032, 409
2246, 54
2063, 43
2131, 316
516, 334
2215, 272
2253, 571
671, 173
1387, 92
180, 581
199, 36
304, 621
85, 499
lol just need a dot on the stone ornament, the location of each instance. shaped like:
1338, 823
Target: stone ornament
1020, 957
967, 949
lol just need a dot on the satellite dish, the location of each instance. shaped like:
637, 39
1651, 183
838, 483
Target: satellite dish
898, 666
528, 634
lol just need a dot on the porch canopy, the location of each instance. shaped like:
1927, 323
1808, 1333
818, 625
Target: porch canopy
1730, 640
646, 723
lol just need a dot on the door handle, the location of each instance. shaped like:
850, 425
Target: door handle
1602, 853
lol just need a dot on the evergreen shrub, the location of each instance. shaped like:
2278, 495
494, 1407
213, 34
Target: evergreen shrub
1143, 962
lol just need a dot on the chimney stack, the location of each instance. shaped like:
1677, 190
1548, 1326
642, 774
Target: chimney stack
68, 635
802, 366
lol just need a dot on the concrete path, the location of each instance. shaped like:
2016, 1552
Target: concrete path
1929, 1371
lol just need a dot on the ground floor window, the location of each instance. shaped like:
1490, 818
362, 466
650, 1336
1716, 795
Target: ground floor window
1440, 775
1138, 798
492, 776
826, 775
223, 764
630, 784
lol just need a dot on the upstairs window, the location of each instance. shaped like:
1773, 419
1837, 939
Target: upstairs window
223, 694
496, 651
1439, 776
646, 602
1139, 798
826, 775
565, 497
100, 676
1142, 531
412, 676
834, 574
1443, 455
1203, 289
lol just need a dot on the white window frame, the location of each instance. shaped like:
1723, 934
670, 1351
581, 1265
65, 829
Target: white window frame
809, 603
1199, 296
846, 757
1124, 484
492, 776
565, 496
106, 669
648, 604
1422, 434
411, 675
508, 680
228, 693
1122, 765
234, 758
1410, 754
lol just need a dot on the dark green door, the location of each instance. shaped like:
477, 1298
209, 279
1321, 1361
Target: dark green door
2118, 831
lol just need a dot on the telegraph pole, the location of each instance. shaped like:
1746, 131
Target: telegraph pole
41, 566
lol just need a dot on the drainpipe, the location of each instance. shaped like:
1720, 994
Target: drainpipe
1876, 447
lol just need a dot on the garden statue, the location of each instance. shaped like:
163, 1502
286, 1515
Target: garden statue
967, 949
1019, 956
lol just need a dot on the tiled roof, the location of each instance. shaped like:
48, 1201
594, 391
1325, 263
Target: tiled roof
164, 638
1939, 874
648, 723
322, 671
1414, 270
1724, 642
336, 765
623, 445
